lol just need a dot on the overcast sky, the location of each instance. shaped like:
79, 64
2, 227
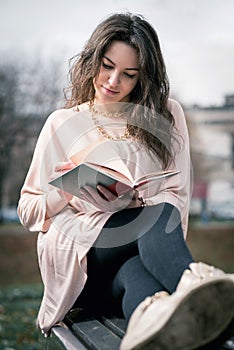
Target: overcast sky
197, 37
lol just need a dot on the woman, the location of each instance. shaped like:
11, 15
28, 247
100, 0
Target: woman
126, 254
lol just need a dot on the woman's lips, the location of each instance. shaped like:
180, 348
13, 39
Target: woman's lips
110, 92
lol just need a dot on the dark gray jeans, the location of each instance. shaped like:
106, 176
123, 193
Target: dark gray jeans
139, 251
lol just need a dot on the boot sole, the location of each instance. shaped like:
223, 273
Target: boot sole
197, 320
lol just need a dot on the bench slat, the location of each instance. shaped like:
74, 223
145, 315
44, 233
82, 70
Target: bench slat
116, 325
95, 335
62, 338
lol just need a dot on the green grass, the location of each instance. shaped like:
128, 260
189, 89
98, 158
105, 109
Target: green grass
18, 311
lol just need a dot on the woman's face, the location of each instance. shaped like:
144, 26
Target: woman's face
118, 74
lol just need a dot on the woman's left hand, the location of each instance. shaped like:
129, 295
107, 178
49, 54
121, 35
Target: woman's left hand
105, 200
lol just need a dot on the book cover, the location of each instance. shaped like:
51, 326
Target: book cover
92, 174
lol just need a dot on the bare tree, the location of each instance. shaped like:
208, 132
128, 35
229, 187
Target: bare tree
8, 122
28, 93
41, 87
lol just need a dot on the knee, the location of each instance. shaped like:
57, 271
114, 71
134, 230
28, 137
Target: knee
167, 219
130, 270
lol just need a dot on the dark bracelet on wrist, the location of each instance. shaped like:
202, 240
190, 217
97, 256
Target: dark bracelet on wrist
143, 202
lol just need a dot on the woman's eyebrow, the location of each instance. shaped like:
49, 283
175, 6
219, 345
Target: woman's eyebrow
114, 64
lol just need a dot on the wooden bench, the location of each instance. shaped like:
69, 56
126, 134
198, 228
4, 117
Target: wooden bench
81, 331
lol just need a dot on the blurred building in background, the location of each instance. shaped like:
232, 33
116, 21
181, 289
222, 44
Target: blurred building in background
212, 150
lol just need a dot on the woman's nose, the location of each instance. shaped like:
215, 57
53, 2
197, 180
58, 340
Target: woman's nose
114, 79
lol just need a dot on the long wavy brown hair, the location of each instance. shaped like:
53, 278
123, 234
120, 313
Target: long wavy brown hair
153, 127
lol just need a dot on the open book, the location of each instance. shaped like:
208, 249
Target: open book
92, 174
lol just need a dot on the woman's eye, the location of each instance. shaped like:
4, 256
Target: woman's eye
131, 76
106, 66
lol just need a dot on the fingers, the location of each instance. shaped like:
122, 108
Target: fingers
105, 193
87, 195
62, 166
99, 195
104, 199
135, 195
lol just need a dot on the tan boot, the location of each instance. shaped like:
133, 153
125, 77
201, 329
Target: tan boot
198, 312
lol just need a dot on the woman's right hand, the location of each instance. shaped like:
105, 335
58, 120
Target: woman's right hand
57, 199
59, 170
106, 201
61, 167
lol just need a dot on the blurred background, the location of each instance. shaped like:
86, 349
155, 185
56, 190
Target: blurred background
38, 38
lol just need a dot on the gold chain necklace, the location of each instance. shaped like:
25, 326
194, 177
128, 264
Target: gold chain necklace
101, 130
106, 114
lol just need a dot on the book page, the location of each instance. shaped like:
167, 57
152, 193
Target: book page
119, 166
144, 180
94, 154
114, 174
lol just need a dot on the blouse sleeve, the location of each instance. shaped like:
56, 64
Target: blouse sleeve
39, 201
